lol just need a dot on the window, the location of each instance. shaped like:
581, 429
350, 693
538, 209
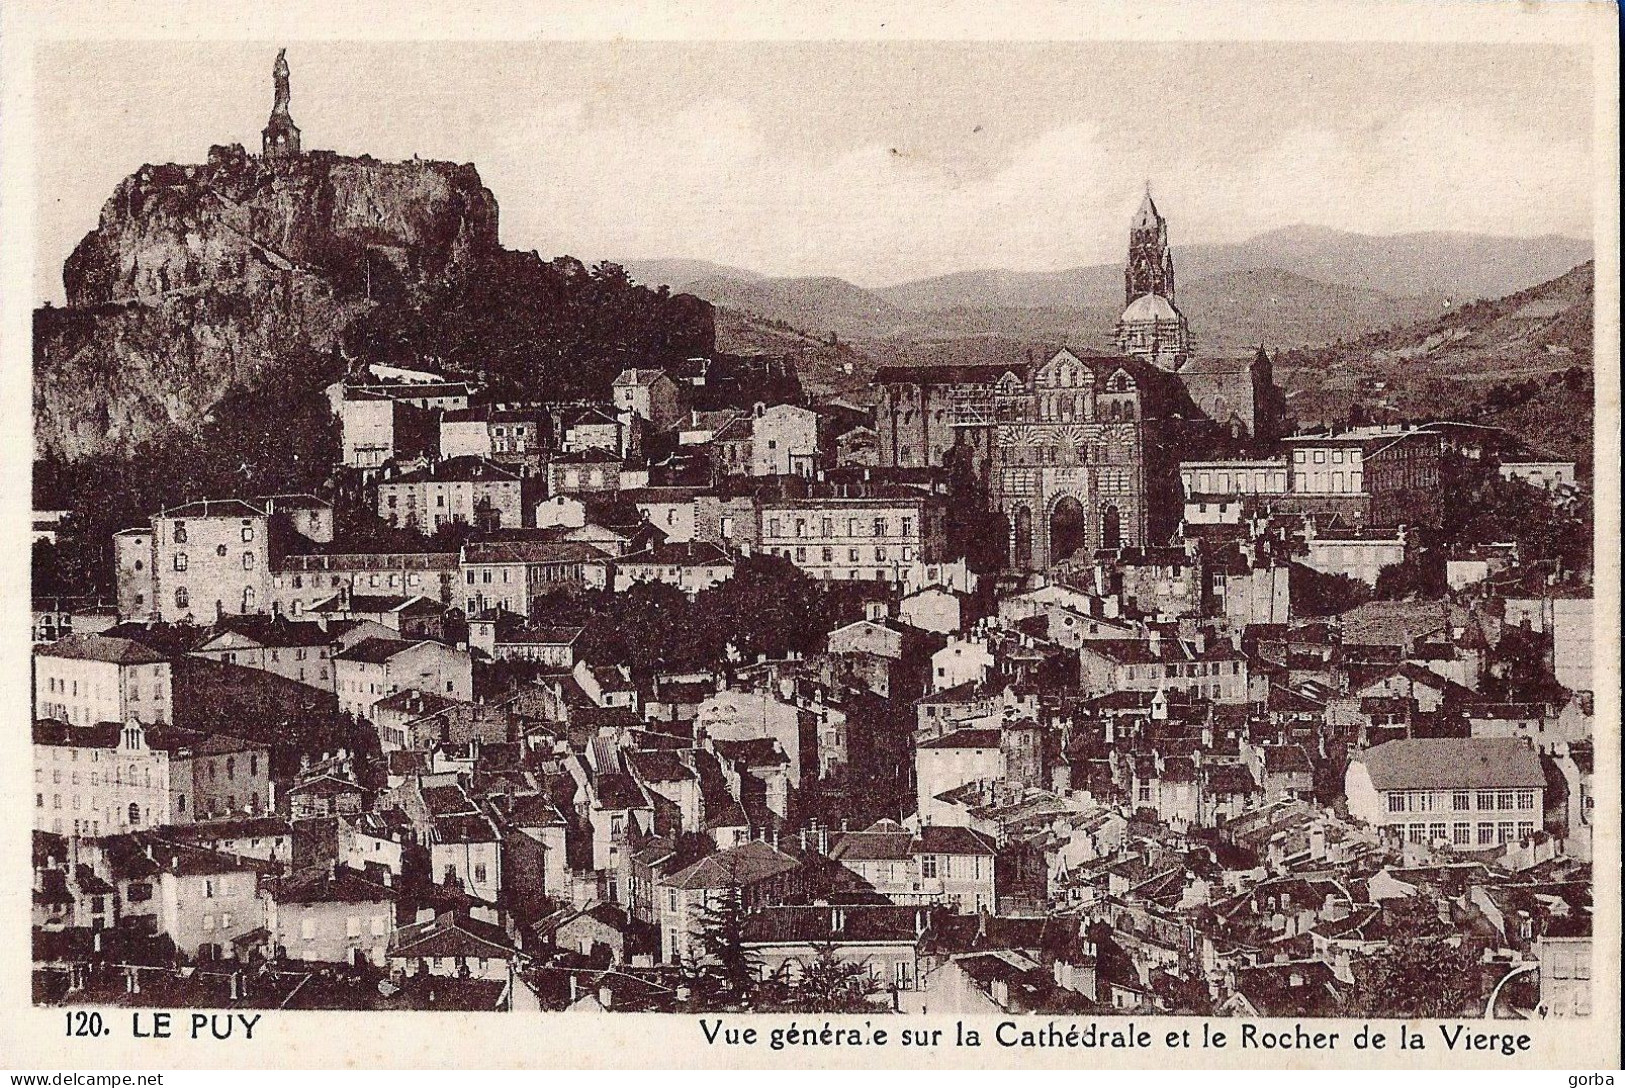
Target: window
1461, 800
880, 526
1461, 835
1486, 834
1526, 828
180, 532
1486, 800
1526, 798
248, 533
928, 866
133, 816
248, 560
182, 598
180, 560
479, 874
1416, 833
1396, 802
1437, 833
1505, 799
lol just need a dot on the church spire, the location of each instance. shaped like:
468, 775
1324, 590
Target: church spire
281, 135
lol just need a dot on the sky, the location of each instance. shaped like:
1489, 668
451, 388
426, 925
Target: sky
879, 163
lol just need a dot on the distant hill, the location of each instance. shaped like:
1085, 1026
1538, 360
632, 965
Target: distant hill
1293, 287
678, 272
1229, 313
1524, 362
1456, 266
817, 305
1232, 311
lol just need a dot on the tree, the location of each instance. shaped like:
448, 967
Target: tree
1429, 978
728, 965
830, 984
1316, 593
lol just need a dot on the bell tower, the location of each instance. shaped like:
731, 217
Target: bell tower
281, 135
1150, 268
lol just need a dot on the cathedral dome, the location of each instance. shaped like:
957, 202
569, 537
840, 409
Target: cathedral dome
1150, 308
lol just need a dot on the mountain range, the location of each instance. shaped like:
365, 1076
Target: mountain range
1293, 287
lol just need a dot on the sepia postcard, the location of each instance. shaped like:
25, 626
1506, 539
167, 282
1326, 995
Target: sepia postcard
720, 535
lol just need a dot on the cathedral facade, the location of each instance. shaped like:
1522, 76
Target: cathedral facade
1068, 466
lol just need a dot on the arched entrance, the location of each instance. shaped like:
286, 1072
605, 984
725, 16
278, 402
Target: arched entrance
1068, 529
1111, 529
1023, 555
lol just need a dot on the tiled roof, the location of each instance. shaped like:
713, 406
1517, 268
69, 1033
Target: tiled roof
214, 508
375, 651
1442, 763
337, 885
965, 738
748, 863
116, 651
937, 839
456, 470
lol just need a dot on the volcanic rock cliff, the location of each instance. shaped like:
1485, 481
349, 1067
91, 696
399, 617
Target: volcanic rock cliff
248, 272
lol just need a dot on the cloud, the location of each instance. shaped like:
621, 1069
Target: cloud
708, 181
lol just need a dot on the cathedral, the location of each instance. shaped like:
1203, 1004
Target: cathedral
1080, 452
1237, 394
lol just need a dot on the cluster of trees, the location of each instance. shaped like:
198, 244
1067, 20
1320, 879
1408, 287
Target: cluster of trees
1479, 506
529, 328
769, 607
727, 976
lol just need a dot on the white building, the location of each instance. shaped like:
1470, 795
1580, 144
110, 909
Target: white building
1468, 793
87, 679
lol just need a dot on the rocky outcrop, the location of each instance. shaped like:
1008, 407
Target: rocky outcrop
203, 279
248, 273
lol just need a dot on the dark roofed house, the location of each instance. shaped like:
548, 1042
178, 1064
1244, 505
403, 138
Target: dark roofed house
454, 945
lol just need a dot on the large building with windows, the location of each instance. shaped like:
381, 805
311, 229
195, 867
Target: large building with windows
86, 679
841, 534
110, 778
1463, 792
209, 559
1371, 476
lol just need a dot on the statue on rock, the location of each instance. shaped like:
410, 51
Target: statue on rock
281, 135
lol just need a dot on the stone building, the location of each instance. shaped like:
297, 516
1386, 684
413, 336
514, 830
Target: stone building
1068, 467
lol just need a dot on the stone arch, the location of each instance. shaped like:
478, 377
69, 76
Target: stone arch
1068, 528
